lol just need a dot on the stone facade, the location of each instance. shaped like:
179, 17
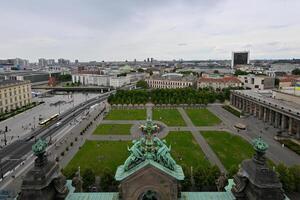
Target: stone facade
149, 180
14, 94
44, 180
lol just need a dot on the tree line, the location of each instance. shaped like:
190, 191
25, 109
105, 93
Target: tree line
170, 96
201, 178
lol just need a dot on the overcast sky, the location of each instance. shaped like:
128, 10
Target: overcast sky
162, 29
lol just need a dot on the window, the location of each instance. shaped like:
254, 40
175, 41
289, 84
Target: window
256, 86
262, 81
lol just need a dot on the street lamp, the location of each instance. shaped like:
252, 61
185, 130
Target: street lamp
1, 170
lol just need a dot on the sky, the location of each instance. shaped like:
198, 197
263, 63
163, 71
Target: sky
137, 29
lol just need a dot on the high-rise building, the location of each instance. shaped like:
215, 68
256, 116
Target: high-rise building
240, 58
50, 62
42, 62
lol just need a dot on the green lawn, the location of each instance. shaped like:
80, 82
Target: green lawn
113, 129
98, 155
202, 117
170, 117
231, 149
134, 114
185, 150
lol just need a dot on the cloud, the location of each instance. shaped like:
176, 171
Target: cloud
129, 29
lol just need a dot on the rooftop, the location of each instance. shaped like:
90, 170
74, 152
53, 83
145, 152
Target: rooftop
288, 106
220, 80
4, 83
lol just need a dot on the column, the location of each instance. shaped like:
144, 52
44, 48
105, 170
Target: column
298, 130
290, 125
260, 114
271, 117
255, 109
283, 122
265, 114
276, 119
244, 105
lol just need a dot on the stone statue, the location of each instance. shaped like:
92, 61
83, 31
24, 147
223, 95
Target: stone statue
77, 181
221, 182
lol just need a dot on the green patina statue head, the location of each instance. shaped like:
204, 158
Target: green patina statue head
39, 147
260, 145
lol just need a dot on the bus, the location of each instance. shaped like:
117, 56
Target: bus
46, 121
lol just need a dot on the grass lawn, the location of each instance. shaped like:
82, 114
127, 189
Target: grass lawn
185, 150
113, 129
202, 117
170, 117
134, 114
98, 155
231, 149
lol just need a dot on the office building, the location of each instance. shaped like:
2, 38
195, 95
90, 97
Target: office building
14, 94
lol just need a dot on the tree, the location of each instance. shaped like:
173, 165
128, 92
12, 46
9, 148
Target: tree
286, 178
240, 72
88, 178
186, 183
232, 171
141, 70
296, 71
108, 182
295, 172
64, 77
142, 84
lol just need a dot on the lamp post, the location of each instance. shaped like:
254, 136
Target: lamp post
1, 169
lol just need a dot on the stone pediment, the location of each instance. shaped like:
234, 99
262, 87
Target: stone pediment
122, 174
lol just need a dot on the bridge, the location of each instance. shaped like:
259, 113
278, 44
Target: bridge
100, 89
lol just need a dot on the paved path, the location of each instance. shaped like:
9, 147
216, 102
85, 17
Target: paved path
149, 110
256, 128
210, 154
111, 137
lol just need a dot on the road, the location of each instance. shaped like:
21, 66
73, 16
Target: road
22, 124
15, 153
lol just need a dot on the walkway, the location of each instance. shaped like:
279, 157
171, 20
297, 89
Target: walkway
210, 154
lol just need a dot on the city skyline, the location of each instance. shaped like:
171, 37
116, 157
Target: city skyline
128, 30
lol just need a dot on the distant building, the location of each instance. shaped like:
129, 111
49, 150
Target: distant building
240, 58
117, 82
33, 77
288, 81
14, 94
251, 81
64, 62
219, 83
104, 80
50, 62
42, 62
91, 79
170, 80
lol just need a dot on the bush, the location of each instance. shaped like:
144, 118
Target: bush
287, 179
108, 182
205, 177
291, 145
231, 110
88, 178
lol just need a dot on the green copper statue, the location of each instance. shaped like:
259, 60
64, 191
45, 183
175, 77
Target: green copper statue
150, 147
39, 147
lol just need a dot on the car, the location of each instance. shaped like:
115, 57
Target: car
58, 124
240, 126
